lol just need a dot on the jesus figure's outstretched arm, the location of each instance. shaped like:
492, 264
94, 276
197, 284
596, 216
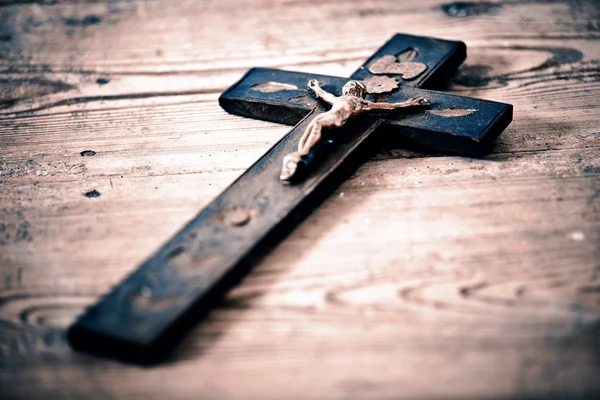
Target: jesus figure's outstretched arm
419, 102
313, 85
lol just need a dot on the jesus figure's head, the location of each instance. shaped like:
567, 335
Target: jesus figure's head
354, 88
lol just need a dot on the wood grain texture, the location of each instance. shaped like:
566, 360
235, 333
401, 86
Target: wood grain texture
421, 277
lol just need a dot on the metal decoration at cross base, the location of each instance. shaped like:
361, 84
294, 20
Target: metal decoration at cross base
144, 317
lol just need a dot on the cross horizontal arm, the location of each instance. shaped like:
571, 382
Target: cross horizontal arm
453, 124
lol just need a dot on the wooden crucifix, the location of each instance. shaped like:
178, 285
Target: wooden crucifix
144, 316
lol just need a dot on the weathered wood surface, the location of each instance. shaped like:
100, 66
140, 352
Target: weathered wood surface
421, 277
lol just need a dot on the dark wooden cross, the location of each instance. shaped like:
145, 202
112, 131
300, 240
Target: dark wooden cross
143, 317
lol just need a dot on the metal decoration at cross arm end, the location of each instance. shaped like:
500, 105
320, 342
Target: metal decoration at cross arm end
393, 66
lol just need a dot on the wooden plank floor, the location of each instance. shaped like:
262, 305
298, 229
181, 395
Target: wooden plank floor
421, 277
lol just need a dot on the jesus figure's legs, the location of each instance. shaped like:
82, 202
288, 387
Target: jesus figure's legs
309, 139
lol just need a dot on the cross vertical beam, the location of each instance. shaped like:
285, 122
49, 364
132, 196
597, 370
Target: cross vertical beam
143, 317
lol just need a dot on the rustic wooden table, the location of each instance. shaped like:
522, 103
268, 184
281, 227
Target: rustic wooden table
423, 276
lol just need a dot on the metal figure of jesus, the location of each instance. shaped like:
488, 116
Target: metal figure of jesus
351, 103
